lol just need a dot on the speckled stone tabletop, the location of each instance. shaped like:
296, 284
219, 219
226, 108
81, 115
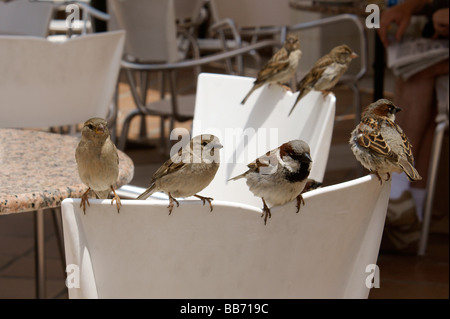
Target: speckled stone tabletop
38, 170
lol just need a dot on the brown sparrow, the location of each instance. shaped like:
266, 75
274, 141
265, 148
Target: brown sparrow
281, 66
380, 145
97, 161
280, 175
326, 72
188, 171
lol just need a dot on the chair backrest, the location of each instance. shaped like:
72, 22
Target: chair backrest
47, 84
24, 17
322, 252
188, 10
150, 26
249, 131
252, 13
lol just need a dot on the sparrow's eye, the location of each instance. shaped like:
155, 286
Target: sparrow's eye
90, 126
204, 143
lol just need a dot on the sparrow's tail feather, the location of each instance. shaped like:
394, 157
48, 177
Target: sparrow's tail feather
147, 192
102, 194
299, 97
237, 177
250, 92
410, 171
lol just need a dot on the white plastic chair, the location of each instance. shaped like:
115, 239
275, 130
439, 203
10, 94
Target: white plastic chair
55, 84
328, 250
24, 17
249, 131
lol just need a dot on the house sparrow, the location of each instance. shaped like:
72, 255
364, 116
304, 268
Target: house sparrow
281, 66
380, 145
97, 161
280, 175
326, 72
188, 171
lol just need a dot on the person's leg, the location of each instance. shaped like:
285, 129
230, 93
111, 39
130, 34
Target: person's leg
416, 97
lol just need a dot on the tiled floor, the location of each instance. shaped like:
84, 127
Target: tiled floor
401, 276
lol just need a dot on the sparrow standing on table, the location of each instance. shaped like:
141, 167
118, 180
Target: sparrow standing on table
380, 145
188, 171
281, 67
326, 72
280, 175
97, 161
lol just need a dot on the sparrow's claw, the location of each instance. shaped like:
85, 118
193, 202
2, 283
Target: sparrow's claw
379, 177
171, 201
84, 200
285, 87
207, 199
388, 177
300, 201
117, 199
325, 92
266, 211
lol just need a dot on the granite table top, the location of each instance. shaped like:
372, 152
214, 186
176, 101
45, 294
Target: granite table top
38, 170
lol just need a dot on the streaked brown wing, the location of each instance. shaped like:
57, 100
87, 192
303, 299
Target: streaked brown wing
266, 160
167, 168
278, 63
407, 147
315, 73
373, 140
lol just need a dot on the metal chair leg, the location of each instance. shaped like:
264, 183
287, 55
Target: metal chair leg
39, 253
431, 183
125, 128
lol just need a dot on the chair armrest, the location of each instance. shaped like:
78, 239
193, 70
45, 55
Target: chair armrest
200, 61
93, 11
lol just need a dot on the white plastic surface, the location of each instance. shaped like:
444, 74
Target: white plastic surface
25, 17
150, 26
54, 84
249, 131
142, 252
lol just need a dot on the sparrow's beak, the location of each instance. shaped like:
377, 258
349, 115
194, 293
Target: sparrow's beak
99, 129
397, 109
353, 55
307, 158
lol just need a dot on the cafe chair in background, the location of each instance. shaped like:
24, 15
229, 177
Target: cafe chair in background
56, 84
152, 47
328, 250
24, 17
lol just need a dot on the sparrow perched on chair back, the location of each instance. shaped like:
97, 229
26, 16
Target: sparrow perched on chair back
188, 171
280, 175
97, 161
281, 66
326, 72
380, 145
